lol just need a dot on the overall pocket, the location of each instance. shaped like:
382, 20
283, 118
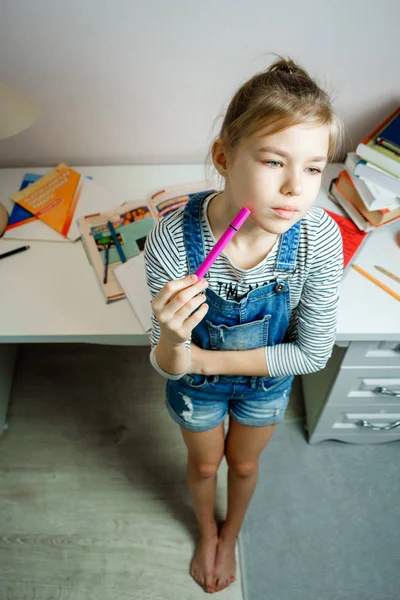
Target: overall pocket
277, 385
194, 380
245, 336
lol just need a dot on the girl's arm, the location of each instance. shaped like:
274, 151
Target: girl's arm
230, 362
162, 262
314, 330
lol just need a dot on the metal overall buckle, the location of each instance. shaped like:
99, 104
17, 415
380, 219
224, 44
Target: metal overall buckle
281, 284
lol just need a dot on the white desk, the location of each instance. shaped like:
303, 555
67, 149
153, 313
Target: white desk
50, 293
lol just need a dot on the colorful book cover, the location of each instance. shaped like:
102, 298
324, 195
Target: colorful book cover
390, 136
371, 151
166, 201
132, 223
62, 196
19, 215
370, 139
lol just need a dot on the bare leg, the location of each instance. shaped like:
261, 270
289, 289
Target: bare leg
204, 457
240, 492
202, 489
241, 487
243, 446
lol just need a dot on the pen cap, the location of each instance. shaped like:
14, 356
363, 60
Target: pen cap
240, 218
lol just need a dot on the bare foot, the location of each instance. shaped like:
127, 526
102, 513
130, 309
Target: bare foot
203, 562
225, 565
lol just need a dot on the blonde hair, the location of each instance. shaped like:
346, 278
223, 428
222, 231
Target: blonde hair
284, 95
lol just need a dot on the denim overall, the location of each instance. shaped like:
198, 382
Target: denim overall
261, 318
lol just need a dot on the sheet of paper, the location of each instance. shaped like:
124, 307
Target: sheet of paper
132, 278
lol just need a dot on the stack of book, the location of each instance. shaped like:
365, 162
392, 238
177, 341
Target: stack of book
368, 189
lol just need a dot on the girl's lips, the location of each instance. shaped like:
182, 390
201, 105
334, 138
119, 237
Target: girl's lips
285, 213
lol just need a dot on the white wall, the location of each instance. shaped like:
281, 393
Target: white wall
129, 81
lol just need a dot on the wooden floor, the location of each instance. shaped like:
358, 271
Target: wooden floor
93, 494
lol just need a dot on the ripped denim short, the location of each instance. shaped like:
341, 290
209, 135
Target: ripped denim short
200, 402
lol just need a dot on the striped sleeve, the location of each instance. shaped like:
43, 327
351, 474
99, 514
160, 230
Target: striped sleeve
163, 262
316, 314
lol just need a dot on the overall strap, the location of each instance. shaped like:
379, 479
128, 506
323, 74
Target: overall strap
193, 232
287, 251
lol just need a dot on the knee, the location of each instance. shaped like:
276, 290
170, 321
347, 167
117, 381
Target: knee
242, 468
204, 469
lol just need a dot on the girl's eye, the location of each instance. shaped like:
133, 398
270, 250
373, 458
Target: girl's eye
270, 162
314, 170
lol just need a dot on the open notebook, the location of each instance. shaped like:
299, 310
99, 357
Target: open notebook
132, 274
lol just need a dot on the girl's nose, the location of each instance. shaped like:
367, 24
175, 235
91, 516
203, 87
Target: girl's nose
292, 185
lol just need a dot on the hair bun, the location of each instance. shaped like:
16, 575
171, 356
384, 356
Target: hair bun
286, 69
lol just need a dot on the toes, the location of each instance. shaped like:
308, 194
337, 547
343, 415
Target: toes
222, 584
210, 589
210, 584
198, 578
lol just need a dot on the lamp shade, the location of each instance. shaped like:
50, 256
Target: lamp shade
17, 112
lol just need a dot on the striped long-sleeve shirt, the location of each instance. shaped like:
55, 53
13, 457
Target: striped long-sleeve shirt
314, 287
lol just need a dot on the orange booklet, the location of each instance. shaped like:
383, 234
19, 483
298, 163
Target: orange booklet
63, 195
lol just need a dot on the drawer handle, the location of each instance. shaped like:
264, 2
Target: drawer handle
386, 391
376, 427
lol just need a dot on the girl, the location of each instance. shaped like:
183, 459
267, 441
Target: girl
266, 311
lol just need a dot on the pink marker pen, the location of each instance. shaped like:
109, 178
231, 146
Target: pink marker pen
222, 242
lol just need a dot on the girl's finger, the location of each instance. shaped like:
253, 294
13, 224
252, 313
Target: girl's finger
184, 296
170, 290
181, 316
194, 320
174, 313
174, 304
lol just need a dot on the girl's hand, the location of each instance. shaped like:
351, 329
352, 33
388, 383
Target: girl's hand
173, 305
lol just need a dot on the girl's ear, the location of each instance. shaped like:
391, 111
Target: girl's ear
219, 157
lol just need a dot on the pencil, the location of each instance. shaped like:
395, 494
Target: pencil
388, 273
377, 282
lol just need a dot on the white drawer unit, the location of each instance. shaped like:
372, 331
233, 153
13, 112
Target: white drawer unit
372, 354
362, 385
356, 398
359, 423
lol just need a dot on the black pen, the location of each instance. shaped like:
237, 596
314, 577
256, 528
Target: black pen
14, 251
106, 258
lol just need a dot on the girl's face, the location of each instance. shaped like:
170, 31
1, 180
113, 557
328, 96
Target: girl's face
277, 176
